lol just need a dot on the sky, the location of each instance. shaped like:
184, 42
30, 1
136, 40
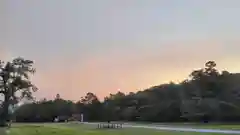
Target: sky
81, 46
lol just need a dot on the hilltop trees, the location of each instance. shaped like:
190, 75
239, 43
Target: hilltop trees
208, 95
212, 93
15, 84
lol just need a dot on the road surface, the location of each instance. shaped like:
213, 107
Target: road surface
183, 129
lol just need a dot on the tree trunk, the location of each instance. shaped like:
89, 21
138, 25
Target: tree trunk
4, 114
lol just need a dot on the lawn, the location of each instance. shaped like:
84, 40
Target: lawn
196, 125
218, 126
78, 129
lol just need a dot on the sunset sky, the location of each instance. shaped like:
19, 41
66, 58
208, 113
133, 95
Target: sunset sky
102, 46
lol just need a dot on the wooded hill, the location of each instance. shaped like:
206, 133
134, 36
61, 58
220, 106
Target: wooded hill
207, 95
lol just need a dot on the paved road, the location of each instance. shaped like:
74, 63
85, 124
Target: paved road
169, 128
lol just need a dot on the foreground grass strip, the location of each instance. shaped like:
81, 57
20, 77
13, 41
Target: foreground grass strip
91, 129
219, 126
41, 130
175, 128
76, 129
231, 127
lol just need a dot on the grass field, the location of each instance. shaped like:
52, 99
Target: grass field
79, 129
231, 127
197, 125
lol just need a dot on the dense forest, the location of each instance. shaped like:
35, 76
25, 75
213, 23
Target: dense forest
207, 95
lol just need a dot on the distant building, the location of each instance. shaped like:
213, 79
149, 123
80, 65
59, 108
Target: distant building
76, 117
61, 118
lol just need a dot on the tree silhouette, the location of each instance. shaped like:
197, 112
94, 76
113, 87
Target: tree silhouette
14, 77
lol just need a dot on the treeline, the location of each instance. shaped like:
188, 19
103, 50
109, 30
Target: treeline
208, 95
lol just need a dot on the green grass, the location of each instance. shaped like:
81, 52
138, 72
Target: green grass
78, 129
197, 125
230, 127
